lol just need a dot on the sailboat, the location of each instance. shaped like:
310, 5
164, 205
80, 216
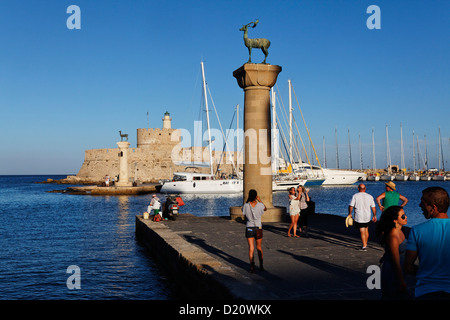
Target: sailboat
414, 176
402, 176
202, 183
306, 173
388, 176
373, 176
426, 176
439, 176
294, 173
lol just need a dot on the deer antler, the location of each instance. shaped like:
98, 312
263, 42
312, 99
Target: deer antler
253, 24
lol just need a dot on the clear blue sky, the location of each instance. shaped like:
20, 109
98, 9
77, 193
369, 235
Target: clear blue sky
65, 91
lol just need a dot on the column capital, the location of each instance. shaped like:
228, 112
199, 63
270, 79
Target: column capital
123, 144
257, 75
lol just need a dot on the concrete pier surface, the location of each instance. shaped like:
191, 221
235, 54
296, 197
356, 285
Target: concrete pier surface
210, 256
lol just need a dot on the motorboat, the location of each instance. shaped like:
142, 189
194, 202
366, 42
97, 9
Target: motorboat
332, 176
201, 183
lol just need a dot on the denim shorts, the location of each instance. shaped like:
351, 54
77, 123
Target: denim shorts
253, 232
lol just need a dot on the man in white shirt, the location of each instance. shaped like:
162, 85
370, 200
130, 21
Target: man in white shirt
364, 206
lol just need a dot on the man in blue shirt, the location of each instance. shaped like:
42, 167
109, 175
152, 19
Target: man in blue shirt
430, 242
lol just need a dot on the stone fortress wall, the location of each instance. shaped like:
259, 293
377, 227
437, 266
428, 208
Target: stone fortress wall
157, 156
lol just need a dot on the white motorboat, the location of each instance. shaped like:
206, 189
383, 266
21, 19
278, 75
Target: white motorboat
334, 176
201, 183
284, 183
414, 177
425, 178
342, 177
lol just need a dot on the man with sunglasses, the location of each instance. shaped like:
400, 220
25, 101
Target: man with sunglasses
430, 242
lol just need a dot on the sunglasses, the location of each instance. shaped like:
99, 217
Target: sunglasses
403, 216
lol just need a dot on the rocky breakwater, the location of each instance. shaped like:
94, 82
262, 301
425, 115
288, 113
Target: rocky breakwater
97, 187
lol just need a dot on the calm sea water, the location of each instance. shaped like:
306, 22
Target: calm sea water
42, 234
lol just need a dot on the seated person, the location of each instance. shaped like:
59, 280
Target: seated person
155, 205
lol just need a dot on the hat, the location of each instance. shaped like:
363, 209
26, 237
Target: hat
390, 184
348, 221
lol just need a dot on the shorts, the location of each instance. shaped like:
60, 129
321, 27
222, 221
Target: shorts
359, 225
253, 232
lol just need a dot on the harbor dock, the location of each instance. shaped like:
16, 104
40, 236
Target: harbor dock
208, 256
100, 190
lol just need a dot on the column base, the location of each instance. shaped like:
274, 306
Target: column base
277, 214
123, 184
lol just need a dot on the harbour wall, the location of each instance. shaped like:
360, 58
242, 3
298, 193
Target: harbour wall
196, 271
157, 156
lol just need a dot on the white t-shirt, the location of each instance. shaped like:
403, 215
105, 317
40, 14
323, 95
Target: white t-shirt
253, 214
362, 203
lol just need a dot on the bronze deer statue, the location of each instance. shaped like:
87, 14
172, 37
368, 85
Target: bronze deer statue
125, 135
259, 43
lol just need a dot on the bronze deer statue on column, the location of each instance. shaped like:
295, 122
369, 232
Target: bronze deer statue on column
125, 135
259, 43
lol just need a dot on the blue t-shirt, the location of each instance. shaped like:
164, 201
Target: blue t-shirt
431, 240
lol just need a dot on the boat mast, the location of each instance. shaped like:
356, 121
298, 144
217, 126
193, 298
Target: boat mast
373, 152
426, 152
274, 134
414, 153
237, 140
207, 117
441, 153
349, 151
290, 123
337, 150
360, 152
402, 159
388, 152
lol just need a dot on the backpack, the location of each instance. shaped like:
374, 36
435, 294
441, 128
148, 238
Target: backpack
157, 217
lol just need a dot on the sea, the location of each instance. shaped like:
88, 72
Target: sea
47, 238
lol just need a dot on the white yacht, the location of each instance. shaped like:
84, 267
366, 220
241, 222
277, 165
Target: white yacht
335, 176
201, 183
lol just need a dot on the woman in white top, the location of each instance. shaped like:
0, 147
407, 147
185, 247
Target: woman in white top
294, 211
303, 205
253, 209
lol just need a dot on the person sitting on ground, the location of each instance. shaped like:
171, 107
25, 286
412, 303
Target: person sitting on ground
155, 205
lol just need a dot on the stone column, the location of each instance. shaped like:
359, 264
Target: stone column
123, 164
256, 80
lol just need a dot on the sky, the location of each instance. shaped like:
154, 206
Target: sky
64, 91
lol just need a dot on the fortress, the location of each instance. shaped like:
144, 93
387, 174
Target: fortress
157, 156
